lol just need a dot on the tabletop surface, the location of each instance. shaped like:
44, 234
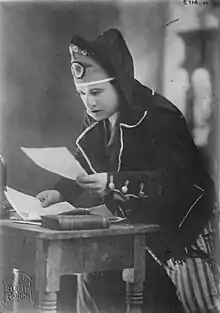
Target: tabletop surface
115, 229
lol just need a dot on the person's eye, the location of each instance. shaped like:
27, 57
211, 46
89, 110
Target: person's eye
80, 92
95, 92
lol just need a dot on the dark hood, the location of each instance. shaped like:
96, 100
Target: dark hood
111, 51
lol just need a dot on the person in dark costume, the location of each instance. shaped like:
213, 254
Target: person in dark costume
142, 164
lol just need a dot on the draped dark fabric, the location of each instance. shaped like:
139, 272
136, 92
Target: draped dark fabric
151, 149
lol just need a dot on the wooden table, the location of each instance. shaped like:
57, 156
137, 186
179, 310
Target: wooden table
55, 253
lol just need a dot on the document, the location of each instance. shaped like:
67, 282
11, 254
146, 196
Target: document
30, 208
57, 160
104, 211
101, 210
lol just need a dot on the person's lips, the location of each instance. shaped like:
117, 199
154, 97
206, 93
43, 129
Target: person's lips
96, 111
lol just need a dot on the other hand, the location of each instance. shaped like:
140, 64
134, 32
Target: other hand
95, 183
48, 197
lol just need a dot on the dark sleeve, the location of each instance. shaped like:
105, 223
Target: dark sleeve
172, 154
163, 192
68, 188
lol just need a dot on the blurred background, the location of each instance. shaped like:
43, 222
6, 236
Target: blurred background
176, 51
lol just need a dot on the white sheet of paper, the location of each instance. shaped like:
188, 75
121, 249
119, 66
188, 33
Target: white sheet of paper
30, 208
101, 210
104, 211
57, 160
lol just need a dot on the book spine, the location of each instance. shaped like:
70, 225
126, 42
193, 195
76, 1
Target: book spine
85, 222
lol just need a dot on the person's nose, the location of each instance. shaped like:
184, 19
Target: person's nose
91, 102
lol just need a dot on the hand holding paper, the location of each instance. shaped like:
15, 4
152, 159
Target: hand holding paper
95, 183
30, 208
57, 160
48, 197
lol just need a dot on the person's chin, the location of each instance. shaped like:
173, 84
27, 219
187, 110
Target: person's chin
97, 115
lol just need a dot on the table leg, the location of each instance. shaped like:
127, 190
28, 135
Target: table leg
135, 277
48, 274
134, 297
48, 302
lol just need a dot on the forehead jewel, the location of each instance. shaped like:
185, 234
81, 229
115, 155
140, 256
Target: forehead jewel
91, 71
78, 69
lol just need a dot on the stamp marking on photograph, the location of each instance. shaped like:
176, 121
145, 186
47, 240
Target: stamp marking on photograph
17, 288
199, 2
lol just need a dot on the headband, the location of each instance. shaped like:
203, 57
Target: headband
95, 82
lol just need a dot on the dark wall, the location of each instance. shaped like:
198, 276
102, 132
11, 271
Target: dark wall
39, 106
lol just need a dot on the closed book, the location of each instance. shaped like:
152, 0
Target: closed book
76, 222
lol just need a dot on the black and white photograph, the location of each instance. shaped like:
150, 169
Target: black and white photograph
109, 156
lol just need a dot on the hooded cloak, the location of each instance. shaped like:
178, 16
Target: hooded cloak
151, 154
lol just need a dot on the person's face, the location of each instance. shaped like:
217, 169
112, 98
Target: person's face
101, 100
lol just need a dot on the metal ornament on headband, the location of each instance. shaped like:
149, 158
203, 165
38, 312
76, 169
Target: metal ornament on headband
85, 69
75, 49
78, 69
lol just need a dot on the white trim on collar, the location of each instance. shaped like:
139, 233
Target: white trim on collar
194, 203
135, 125
121, 137
121, 141
81, 149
